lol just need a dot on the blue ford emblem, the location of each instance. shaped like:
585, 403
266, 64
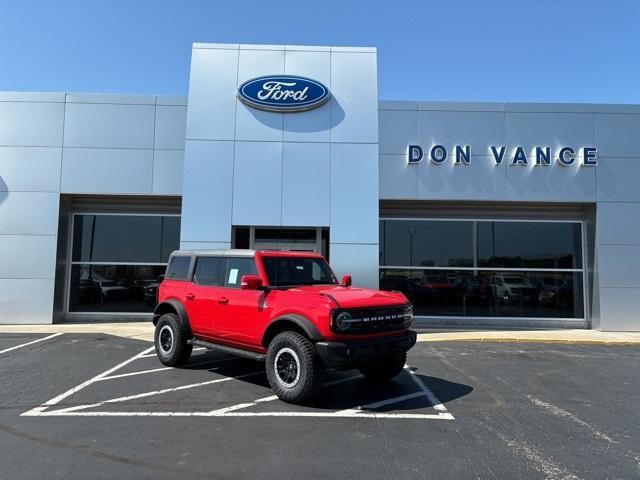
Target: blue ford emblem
283, 93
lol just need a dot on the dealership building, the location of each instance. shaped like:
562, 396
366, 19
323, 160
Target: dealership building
483, 214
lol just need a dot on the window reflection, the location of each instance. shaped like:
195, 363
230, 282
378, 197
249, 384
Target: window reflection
125, 238
488, 293
114, 288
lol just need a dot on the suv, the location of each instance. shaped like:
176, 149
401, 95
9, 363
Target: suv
283, 308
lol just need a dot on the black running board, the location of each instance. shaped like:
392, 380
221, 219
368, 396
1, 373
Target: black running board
259, 357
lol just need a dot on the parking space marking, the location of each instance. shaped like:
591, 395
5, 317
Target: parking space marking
364, 411
30, 343
40, 410
141, 372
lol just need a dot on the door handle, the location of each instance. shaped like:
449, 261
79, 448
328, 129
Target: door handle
190, 296
223, 300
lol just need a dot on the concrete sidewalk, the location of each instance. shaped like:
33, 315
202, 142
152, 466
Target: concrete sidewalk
144, 331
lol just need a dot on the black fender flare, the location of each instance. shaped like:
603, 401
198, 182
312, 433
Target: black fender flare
303, 323
176, 306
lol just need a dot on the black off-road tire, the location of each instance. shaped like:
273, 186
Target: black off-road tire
293, 348
170, 339
384, 369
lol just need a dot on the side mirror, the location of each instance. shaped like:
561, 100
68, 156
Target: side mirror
346, 280
250, 282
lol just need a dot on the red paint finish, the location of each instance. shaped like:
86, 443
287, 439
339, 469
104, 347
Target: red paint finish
240, 317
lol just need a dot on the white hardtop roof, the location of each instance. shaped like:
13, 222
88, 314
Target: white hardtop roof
231, 252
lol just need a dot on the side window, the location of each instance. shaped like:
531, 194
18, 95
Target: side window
178, 268
207, 271
237, 267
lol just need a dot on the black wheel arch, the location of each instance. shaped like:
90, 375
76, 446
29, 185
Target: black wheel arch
173, 306
291, 322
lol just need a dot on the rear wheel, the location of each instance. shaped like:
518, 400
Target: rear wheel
384, 368
294, 369
170, 339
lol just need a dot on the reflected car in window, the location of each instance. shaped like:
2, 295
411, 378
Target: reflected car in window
514, 289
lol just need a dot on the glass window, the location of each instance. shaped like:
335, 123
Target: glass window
207, 271
125, 238
486, 293
426, 243
118, 261
529, 245
237, 267
114, 288
289, 271
485, 268
178, 268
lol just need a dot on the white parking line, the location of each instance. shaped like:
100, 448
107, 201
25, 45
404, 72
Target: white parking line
364, 411
38, 410
141, 372
30, 343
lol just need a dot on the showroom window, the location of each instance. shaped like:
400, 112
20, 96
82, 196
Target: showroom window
485, 268
118, 260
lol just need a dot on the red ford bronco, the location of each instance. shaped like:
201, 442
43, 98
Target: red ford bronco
286, 309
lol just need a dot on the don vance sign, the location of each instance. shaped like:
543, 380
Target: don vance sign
537, 156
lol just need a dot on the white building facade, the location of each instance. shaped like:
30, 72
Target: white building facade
492, 214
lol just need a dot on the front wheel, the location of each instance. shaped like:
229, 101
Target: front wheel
384, 368
294, 369
171, 341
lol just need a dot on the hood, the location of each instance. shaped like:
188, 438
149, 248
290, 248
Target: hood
352, 297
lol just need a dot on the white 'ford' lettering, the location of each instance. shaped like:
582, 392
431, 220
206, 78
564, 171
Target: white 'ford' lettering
273, 90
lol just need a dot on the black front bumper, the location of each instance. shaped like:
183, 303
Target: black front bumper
345, 355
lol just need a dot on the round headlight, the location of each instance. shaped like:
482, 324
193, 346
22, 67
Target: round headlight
343, 320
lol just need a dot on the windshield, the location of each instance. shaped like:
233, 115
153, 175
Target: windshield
513, 280
292, 271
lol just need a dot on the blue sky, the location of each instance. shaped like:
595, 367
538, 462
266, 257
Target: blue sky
536, 50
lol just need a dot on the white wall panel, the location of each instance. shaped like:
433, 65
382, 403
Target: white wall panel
26, 301
551, 183
204, 245
479, 130
354, 105
31, 169
170, 127
257, 183
618, 179
398, 129
207, 191
253, 124
619, 309
397, 179
619, 265
29, 213
26, 124
617, 223
168, 166
358, 260
108, 125
313, 125
106, 170
617, 135
305, 177
482, 179
27, 256
212, 85
553, 130
354, 193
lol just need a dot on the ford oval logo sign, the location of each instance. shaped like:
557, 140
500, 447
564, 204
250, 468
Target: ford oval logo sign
283, 93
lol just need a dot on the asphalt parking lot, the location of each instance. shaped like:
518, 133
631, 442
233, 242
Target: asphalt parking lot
96, 406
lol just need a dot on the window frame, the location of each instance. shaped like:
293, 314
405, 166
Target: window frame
196, 259
582, 271
223, 270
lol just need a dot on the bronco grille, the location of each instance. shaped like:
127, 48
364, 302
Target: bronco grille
371, 320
